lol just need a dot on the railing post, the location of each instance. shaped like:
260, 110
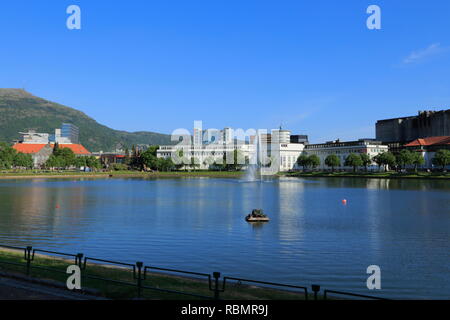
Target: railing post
216, 276
79, 260
315, 288
139, 266
28, 259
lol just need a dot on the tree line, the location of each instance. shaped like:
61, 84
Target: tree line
148, 160
399, 161
64, 158
10, 158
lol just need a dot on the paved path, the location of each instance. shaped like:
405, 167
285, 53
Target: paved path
12, 289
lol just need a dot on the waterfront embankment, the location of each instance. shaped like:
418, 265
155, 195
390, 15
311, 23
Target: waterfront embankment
369, 175
119, 174
217, 174
116, 282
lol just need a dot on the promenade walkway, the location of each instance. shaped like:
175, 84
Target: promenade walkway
13, 289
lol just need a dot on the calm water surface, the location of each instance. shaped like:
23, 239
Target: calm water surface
198, 224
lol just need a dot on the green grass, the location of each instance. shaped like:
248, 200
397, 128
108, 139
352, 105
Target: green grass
122, 291
380, 175
61, 174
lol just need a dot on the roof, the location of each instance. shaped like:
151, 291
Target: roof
32, 148
431, 141
28, 147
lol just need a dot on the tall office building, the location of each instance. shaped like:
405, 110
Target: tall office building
227, 135
281, 136
70, 132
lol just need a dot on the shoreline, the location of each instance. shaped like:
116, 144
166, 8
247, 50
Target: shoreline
367, 176
216, 174
119, 174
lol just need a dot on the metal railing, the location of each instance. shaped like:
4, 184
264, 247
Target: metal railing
348, 294
142, 275
265, 283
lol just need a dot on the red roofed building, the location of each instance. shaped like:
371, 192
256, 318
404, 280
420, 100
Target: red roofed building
32, 148
428, 147
41, 152
429, 142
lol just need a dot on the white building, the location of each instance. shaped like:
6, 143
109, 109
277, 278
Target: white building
283, 154
32, 137
206, 156
273, 151
286, 155
68, 134
344, 149
428, 147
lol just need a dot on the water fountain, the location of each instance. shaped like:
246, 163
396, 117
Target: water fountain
254, 166
260, 164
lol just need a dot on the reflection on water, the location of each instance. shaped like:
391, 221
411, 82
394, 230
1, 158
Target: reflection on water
198, 224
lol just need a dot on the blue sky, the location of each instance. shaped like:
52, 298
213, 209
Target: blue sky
312, 66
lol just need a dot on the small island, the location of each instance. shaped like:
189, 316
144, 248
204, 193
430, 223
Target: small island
257, 215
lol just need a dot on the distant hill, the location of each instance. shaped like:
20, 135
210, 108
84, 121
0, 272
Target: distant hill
20, 110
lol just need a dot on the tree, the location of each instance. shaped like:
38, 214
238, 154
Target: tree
442, 158
353, 160
148, 159
208, 161
66, 157
303, 161
378, 159
389, 160
181, 161
136, 160
127, 159
7, 155
404, 158
313, 161
22, 160
332, 161
153, 150
54, 162
238, 160
417, 160
61, 158
92, 162
56, 147
194, 163
385, 159
80, 162
366, 160
164, 164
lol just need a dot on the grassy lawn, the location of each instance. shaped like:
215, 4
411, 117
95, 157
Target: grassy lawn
387, 175
112, 290
11, 174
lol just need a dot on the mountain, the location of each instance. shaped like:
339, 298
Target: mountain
20, 110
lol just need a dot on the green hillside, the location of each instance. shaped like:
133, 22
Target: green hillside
20, 110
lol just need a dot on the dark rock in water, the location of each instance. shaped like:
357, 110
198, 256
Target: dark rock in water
257, 215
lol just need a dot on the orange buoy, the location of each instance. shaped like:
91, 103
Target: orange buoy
344, 201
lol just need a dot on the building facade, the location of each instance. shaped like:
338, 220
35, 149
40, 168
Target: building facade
344, 149
406, 129
40, 145
205, 156
428, 147
41, 152
70, 132
274, 151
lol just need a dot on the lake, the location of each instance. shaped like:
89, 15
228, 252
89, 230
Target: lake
197, 224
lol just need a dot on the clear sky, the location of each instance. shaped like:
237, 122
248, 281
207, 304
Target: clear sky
312, 66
